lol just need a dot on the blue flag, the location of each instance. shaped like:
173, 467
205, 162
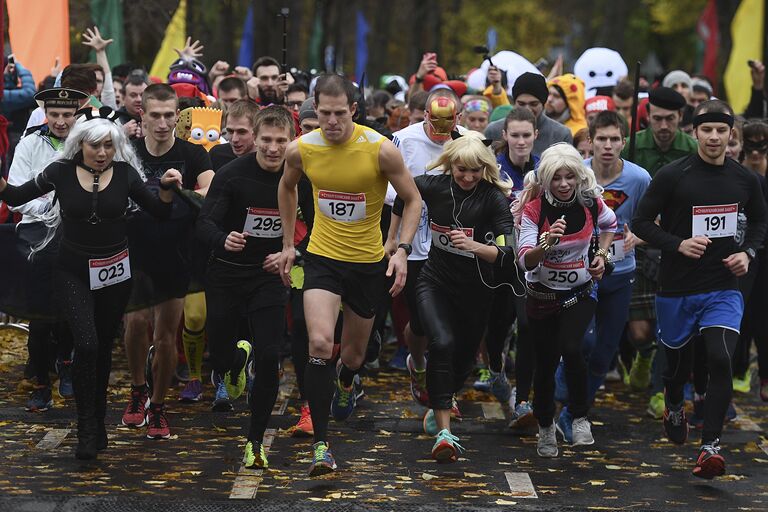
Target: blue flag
361, 57
245, 57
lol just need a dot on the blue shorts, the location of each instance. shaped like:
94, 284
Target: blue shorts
681, 318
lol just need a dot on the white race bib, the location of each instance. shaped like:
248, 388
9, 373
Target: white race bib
263, 223
617, 247
341, 206
563, 276
108, 271
441, 240
717, 221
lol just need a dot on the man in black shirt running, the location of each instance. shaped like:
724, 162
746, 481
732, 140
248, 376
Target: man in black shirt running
699, 198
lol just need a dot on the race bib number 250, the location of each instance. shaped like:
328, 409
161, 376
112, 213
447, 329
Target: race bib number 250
108, 271
341, 206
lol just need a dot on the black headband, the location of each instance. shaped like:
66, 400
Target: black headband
713, 117
103, 113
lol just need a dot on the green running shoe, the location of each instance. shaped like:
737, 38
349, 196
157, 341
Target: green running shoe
742, 383
656, 406
322, 460
236, 383
255, 458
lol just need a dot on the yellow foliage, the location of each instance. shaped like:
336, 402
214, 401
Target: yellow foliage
674, 16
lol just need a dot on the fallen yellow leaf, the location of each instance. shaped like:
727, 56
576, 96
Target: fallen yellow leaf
427, 476
505, 502
473, 475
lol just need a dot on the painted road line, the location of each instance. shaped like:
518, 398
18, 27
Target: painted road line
283, 394
53, 438
764, 447
248, 480
520, 485
492, 410
744, 422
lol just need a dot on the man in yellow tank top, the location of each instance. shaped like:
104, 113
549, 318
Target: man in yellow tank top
349, 166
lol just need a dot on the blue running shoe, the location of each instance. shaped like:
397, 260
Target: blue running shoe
40, 400
483, 382
500, 387
565, 425
730, 413
430, 423
561, 386
398, 359
221, 402
343, 401
522, 417
322, 460
446, 447
64, 370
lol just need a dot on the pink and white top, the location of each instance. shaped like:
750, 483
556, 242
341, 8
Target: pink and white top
565, 265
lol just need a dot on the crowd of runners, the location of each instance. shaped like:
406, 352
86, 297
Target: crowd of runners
554, 232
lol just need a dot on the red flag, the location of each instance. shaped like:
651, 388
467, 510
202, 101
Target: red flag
709, 34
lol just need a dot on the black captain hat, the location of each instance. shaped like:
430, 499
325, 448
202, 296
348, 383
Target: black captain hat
60, 97
666, 98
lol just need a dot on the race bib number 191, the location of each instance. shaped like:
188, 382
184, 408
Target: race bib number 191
341, 206
717, 221
263, 223
108, 271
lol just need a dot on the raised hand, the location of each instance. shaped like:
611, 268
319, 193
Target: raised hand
191, 50
92, 37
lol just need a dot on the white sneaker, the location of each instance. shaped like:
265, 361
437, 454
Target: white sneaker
547, 444
582, 432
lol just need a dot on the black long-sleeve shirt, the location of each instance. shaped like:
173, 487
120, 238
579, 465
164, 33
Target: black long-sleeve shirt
76, 202
243, 198
482, 212
675, 192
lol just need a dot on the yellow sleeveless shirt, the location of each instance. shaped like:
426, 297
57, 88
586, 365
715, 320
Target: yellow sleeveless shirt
348, 189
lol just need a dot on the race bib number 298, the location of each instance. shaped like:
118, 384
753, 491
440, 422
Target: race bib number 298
341, 206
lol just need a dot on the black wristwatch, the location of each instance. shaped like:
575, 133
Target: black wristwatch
408, 248
750, 253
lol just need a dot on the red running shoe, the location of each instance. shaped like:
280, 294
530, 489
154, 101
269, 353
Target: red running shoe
710, 463
157, 423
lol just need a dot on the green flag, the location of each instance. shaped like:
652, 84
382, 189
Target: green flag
108, 16
316, 40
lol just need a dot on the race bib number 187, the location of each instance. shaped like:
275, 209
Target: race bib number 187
717, 221
341, 206
108, 271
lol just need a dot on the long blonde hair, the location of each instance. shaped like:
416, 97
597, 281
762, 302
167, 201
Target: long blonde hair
469, 151
537, 183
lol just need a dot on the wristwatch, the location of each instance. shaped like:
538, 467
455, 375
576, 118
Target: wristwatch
750, 253
408, 248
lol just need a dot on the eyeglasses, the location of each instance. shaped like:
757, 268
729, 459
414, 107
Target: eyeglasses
293, 103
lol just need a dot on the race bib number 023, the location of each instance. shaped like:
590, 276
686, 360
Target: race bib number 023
441, 240
108, 271
718, 221
341, 206
563, 276
263, 223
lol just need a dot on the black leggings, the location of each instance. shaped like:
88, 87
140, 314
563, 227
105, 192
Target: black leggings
94, 318
754, 324
454, 326
718, 344
40, 350
553, 336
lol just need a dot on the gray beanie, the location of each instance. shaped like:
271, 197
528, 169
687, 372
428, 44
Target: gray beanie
677, 76
307, 110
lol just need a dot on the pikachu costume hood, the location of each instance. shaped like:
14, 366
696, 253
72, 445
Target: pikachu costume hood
571, 88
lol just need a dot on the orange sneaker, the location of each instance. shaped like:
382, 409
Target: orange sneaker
304, 427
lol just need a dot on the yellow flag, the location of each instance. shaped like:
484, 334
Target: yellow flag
175, 37
747, 34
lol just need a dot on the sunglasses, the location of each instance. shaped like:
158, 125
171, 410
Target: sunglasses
759, 146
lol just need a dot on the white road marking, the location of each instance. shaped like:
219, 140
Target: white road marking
282, 398
248, 480
492, 410
53, 438
520, 485
744, 422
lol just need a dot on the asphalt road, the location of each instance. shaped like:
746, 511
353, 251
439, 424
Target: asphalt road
383, 456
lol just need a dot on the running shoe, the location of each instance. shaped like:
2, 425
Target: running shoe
254, 457
764, 390
40, 399
221, 401
64, 370
564, 425
675, 425
357, 385
322, 460
398, 359
547, 443
742, 383
135, 414
446, 447
561, 386
656, 406
522, 417
157, 423
483, 382
500, 387
343, 403
182, 372
418, 382
640, 374
236, 382
696, 420
613, 375
455, 412
582, 432
192, 392
710, 463
430, 423
304, 427
730, 413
